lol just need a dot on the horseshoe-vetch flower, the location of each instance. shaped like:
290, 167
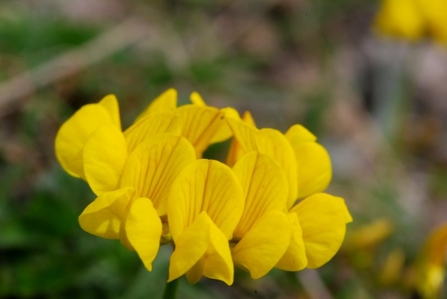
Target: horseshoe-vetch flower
98, 126
319, 220
73, 134
204, 206
263, 234
311, 171
271, 143
152, 188
132, 212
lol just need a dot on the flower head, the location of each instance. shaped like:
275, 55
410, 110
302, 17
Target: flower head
152, 188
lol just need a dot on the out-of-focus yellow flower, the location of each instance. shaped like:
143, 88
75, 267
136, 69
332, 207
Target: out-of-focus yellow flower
413, 19
435, 10
400, 18
430, 265
361, 243
393, 267
369, 236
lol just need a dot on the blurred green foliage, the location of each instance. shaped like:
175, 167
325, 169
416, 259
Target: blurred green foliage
279, 59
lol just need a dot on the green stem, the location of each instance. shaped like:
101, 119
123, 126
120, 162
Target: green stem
171, 289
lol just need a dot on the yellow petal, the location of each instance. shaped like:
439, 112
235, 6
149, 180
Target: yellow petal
218, 263
224, 132
298, 134
265, 188
313, 161
73, 134
152, 167
202, 250
104, 215
143, 229
264, 244
314, 168
434, 15
164, 102
104, 155
200, 124
197, 99
244, 134
323, 219
272, 143
155, 123
205, 185
194, 274
248, 119
235, 152
369, 236
294, 259
110, 103
190, 247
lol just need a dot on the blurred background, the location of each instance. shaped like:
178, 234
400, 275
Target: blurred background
377, 103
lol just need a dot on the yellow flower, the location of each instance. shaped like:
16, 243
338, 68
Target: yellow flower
313, 161
98, 125
235, 152
152, 190
73, 134
263, 233
132, 212
271, 143
322, 220
129, 171
412, 19
204, 206
318, 222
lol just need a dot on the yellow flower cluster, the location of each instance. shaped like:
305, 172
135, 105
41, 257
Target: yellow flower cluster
262, 209
413, 19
